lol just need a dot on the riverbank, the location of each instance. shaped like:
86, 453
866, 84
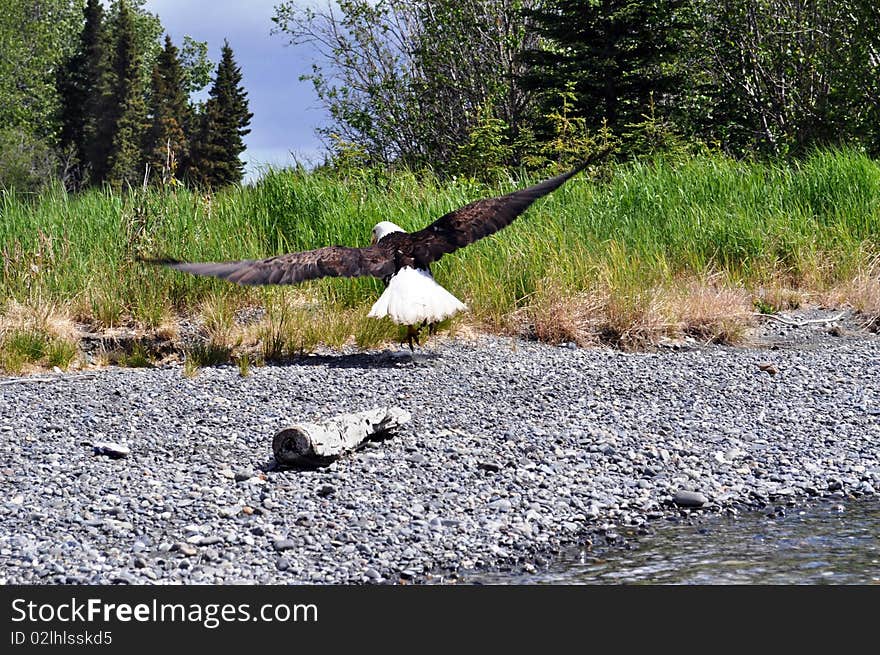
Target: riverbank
516, 450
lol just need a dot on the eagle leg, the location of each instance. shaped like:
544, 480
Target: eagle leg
412, 333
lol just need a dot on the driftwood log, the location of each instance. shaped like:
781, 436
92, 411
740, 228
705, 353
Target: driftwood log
321, 443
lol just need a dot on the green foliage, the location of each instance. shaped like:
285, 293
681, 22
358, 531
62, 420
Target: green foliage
83, 89
763, 307
146, 32
60, 353
27, 346
486, 153
27, 164
196, 65
137, 358
127, 109
653, 136
215, 161
780, 77
568, 139
208, 354
35, 37
611, 55
408, 82
166, 144
244, 365
346, 157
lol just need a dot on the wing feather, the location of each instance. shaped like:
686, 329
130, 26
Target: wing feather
479, 219
293, 268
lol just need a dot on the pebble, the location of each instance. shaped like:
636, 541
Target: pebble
684, 498
110, 449
187, 549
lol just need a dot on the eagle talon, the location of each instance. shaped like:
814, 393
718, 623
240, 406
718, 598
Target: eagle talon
412, 334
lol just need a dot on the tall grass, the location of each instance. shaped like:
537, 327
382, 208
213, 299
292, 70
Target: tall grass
615, 246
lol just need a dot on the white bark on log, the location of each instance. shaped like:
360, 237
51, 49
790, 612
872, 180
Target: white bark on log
320, 443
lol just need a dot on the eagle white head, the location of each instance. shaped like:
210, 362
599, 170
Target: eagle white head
384, 228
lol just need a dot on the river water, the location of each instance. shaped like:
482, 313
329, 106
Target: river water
824, 543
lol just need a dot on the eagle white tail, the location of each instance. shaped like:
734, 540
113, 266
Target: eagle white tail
412, 296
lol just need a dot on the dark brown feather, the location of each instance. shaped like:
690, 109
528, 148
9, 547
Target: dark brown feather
332, 261
478, 219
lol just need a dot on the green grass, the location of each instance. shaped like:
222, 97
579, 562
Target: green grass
20, 348
808, 225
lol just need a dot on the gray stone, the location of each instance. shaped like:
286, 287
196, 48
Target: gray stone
187, 549
684, 498
111, 449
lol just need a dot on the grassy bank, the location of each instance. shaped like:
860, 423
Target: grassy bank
651, 250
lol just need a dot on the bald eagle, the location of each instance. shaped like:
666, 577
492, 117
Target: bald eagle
400, 259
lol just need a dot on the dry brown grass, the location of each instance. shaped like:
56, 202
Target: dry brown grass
862, 293
710, 311
702, 309
778, 296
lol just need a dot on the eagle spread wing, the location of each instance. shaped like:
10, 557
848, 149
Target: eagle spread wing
479, 219
332, 261
445, 235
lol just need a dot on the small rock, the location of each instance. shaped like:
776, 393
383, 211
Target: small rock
326, 490
187, 549
282, 563
768, 367
110, 449
685, 498
284, 544
502, 505
488, 466
241, 476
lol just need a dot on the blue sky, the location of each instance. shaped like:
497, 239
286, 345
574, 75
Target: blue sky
286, 111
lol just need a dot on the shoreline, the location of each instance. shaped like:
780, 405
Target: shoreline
516, 450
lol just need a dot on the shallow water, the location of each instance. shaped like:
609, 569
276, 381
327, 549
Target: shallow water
824, 543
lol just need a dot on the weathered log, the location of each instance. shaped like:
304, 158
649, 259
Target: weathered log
321, 443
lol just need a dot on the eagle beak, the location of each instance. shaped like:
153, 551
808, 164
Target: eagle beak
373, 240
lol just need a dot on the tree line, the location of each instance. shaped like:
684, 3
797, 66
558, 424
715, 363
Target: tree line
476, 86
95, 96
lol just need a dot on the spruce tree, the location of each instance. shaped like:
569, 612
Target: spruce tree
127, 111
614, 54
82, 90
167, 146
223, 123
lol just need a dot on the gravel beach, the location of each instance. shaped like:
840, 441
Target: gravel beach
515, 450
